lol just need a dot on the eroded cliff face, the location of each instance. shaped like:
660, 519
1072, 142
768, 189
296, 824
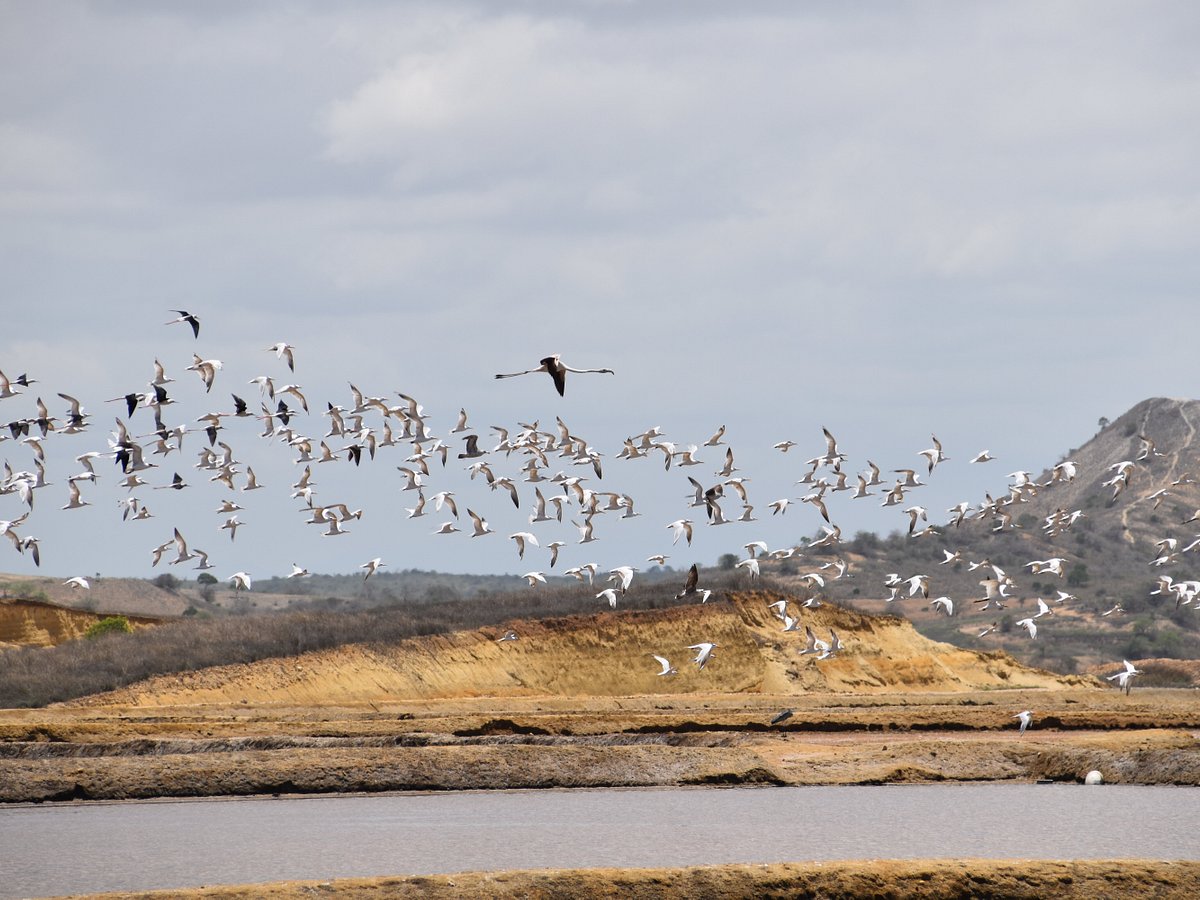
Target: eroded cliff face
610, 654
33, 623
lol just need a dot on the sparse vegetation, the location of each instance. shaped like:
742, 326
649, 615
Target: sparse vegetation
864, 542
167, 582
25, 589
36, 676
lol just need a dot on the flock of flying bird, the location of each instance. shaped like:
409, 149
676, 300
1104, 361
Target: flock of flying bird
367, 424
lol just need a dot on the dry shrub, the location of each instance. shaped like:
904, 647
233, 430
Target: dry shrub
38, 676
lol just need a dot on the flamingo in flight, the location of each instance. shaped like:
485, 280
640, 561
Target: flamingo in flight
557, 369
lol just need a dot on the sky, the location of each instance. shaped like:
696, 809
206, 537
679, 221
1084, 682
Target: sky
978, 221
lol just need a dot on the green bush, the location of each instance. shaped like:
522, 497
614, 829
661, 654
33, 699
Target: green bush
109, 625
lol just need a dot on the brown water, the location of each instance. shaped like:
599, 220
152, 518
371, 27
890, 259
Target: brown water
167, 844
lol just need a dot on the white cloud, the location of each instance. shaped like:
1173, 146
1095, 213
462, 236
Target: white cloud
780, 215
34, 159
958, 146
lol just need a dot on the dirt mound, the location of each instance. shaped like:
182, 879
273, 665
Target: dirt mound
32, 623
109, 596
610, 655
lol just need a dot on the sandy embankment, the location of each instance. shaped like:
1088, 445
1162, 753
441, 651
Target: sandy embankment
929, 879
609, 655
33, 623
575, 703
181, 753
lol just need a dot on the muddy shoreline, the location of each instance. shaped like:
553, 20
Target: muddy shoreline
933, 879
113, 753
110, 753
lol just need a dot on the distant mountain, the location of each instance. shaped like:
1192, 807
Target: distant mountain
1108, 553
1136, 515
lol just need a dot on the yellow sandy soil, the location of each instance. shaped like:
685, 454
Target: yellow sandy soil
31, 623
930, 879
609, 655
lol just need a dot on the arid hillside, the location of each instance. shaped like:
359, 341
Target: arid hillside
1159, 496
610, 655
110, 596
1107, 553
1136, 515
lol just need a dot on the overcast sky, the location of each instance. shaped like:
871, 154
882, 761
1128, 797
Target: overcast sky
974, 220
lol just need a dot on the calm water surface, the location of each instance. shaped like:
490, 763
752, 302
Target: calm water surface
168, 844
